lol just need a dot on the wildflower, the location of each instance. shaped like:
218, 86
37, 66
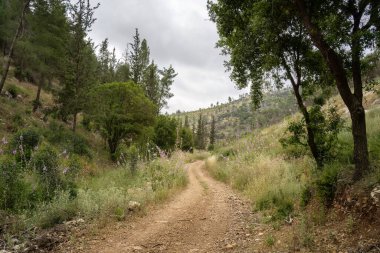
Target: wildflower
21, 138
44, 169
65, 170
14, 152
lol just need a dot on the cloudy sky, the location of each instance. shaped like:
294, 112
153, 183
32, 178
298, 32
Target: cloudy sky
179, 33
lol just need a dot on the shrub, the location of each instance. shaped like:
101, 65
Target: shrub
24, 142
79, 145
327, 185
325, 126
13, 191
45, 162
133, 156
13, 90
306, 195
61, 208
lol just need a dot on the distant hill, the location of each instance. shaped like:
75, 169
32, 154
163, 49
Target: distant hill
236, 118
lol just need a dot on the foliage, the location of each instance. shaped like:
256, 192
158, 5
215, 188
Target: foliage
11, 186
24, 142
45, 161
186, 139
120, 111
79, 67
165, 133
133, 157
326, 127
327, 184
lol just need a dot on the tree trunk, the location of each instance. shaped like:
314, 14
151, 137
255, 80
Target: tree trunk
309, 128
359, 133
36, 102
7, 62
75, 122
301, 106
352, 101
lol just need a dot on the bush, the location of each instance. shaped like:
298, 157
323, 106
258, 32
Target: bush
79, 146
23, 143
306, 195
13, 191
133, 156
13, 90
45, 162
327, 185
61, 208
73, 143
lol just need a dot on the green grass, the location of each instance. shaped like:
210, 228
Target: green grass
275, 181
107, 195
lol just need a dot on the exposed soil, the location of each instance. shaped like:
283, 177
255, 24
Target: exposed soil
206, 217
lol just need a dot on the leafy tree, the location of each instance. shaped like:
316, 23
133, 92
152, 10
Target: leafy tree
186, 139
270, 45
120, 111
165, 133
80, 62
343, 31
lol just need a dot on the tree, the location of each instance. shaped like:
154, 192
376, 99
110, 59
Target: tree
104, 62
275, 46
343, 32
165, 133
79, 73
187, 124
166, 81
138, 57
212, 133
44, 46
7, 60
186, 139
120, 111
200, 140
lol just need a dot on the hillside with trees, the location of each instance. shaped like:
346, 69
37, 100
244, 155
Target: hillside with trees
90, 161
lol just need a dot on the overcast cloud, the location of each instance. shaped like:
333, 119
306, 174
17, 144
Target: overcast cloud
179, 33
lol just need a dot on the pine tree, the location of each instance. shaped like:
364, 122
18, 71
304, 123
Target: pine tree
104, 62
212, 133
80, 66
201, 133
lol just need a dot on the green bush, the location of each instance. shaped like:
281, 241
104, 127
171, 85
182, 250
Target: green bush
13, 90
327, 185
133, 156
45, 162
13, 190
79, 146
61, 208
306, 195
23, 143
72, 142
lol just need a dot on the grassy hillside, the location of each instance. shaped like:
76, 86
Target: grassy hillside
69, 176
237, 118
286, 188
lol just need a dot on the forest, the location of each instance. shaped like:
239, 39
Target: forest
91, 160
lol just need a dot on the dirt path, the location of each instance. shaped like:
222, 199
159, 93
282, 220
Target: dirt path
206, 217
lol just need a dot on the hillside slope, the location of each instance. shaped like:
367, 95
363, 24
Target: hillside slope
237, 118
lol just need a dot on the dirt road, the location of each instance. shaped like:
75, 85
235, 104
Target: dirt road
206, 217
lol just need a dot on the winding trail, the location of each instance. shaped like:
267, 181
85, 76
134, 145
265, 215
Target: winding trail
206, 217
